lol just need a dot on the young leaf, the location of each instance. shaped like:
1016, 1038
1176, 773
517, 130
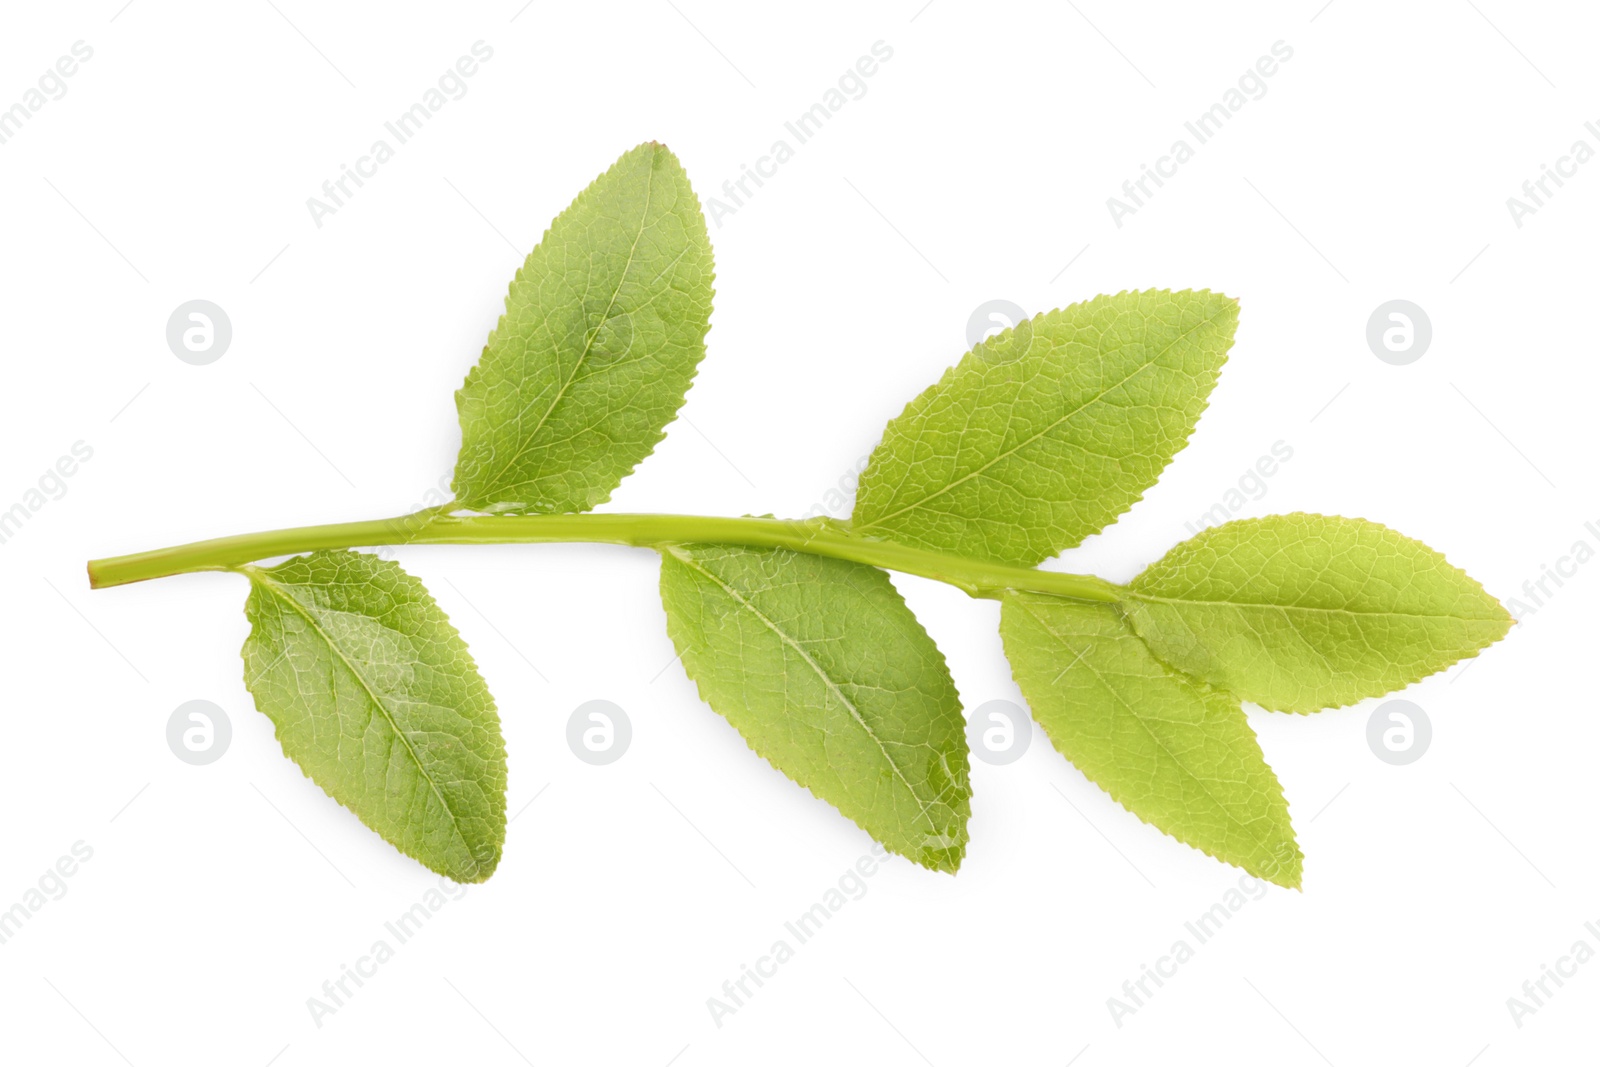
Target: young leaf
827, 674
604, 326
373, 693
1043, 434
1034, 440
1175, 752
1301, 612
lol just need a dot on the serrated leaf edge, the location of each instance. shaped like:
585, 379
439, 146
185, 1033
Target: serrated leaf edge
260, 576
1205, 690
1005, 335
1410, 681
965, 807
711, 278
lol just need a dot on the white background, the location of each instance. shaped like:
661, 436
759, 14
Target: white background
976, 166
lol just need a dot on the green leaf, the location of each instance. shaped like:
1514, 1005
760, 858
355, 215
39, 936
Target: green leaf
1175, 752
1043, 434
373, 693
604, 326
1300, 612
827, 674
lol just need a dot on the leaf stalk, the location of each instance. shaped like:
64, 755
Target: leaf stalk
437, 526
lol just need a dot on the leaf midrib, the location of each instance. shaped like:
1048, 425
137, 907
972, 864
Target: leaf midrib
622, 280
1097, 398
1109, 688
1268, 605
282, 593
855, 713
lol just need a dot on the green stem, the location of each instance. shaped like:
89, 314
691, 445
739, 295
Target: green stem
434, 526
